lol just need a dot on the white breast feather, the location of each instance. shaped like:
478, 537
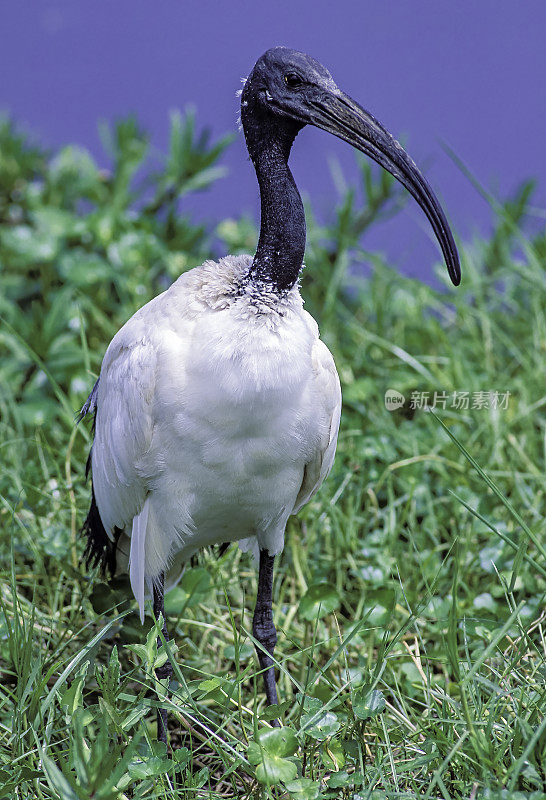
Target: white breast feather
217, 417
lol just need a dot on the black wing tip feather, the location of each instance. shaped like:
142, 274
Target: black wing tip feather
100, 550
90, 404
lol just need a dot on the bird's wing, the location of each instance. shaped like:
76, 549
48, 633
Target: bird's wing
123, 428
123, 436
328, 398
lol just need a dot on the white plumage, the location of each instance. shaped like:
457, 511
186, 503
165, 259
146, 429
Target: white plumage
217, 417
217, 407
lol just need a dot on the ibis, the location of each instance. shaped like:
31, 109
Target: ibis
217, 406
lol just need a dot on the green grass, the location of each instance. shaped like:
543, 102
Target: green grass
410, 595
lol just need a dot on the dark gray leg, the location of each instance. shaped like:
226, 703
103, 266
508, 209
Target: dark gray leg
262, 626
166, 670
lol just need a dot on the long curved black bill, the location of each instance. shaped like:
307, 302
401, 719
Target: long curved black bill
342, 116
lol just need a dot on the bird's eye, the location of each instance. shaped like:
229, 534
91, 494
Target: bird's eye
292, 80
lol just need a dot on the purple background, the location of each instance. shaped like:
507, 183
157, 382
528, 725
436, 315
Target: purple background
469, 73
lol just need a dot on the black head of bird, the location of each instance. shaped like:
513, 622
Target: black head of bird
287, 90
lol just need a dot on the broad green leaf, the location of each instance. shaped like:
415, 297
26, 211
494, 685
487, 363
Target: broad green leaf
343, 779
141, 652
333, 755
211, 684
72, 698
134, 716
320, 725
196, 582
319, 600
271, 769
182, 756
194, 587
150, 768
310, 703
270, 753
278, 741
175, 601
368, 703
303, 789
276, 710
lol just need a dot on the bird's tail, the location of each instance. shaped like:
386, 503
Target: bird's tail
100, 550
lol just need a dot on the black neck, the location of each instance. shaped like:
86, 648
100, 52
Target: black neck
279, 255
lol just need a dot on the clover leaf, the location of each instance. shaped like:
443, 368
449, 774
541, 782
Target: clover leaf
269, 754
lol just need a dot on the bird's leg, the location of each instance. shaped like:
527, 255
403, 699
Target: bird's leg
263, 628
166, 670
